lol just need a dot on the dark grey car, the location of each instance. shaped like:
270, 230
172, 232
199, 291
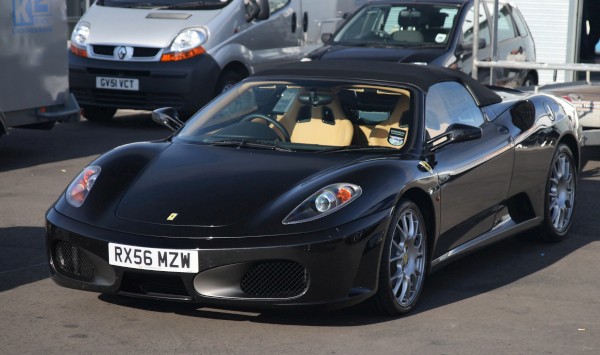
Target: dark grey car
437, 32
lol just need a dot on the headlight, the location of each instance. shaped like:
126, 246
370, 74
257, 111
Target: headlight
187, 44
81, 186
79, 39
325, 201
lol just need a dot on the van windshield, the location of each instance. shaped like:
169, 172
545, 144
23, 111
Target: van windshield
403, 25
166, 4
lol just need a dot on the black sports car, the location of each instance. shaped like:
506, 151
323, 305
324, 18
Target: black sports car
320, 183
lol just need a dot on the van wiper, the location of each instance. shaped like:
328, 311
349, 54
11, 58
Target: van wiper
358, 148
240, 143
190, 5
138, 5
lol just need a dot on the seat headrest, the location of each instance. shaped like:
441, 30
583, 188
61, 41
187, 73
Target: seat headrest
437, 19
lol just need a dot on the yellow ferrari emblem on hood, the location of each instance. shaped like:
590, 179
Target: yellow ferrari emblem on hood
172, 217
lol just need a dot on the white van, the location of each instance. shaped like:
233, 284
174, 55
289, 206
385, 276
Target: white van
146, 54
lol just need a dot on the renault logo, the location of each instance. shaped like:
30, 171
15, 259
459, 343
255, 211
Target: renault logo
123, 53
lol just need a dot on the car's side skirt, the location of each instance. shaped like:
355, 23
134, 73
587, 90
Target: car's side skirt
503, 230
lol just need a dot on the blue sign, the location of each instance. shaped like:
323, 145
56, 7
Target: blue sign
32, 16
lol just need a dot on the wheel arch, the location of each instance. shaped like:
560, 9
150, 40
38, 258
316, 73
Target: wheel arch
3, 127
571, 142
423, 200
237, 67
535, 75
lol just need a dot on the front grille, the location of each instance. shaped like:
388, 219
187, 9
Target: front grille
119, 72
71, 261
157, 285
275, 279
127, 99
138, 52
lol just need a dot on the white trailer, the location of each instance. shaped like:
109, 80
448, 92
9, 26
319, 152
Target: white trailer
34, 85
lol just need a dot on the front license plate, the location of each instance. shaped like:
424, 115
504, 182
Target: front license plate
169, 260
103, 82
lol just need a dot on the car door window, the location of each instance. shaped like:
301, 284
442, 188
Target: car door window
275, 5
521, 26
506, 28
447, 103
467, 27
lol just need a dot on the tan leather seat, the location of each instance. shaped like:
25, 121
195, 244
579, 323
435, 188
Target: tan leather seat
391, 132
323, 125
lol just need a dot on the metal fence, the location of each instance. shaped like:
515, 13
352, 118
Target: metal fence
495, 63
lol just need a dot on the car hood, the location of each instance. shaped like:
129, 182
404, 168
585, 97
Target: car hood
141, 27
387, 54
210, 186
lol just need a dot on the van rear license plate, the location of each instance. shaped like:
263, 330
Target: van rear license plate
169, 260
103, 82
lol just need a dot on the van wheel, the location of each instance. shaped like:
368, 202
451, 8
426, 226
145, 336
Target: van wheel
98, 114
228, 79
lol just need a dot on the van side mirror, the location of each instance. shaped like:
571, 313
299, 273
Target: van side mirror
257, 10
468, 46
325, 37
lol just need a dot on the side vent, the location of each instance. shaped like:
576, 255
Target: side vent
523, 115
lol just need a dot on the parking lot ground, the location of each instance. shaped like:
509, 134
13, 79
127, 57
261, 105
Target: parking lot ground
519, 296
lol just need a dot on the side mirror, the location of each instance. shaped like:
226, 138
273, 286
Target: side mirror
168, 117
325, 37
468, 46
523, 115
257, 10
456, 133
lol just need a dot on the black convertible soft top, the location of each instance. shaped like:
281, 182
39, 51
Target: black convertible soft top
421, 76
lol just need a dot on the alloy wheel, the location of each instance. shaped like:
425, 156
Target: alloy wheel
407, 259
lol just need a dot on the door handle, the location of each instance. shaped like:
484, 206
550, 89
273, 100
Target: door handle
294, 22
305, 22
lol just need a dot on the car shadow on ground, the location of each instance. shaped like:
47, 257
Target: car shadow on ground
24, 148
22, 256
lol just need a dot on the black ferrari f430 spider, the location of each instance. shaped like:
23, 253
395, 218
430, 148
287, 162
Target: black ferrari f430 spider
319, 183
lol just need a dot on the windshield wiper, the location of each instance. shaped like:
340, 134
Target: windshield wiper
189, 5
240, 143
358, 148
138, 5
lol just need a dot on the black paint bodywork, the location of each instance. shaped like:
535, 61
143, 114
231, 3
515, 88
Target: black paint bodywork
232, 201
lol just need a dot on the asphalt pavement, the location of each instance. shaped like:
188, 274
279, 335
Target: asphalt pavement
520, 296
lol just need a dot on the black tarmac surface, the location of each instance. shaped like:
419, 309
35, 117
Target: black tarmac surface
520, 296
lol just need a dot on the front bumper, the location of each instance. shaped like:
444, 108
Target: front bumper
337, 267
185, 85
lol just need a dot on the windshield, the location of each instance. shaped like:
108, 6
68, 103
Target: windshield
313, 115
166, 4
400, 25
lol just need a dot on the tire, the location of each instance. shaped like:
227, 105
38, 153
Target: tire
403, 261
559, 196
227, 79
529, 80
98, 114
